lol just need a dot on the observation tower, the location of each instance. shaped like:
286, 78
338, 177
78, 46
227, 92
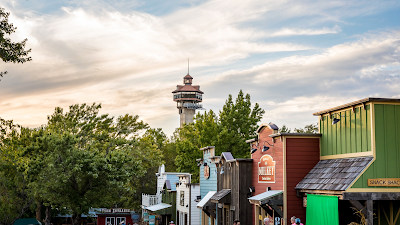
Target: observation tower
187, 98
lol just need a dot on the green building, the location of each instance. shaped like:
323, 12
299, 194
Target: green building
359, 164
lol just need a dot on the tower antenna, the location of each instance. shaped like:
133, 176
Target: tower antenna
188, 65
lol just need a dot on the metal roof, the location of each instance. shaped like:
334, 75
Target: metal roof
334, 174
157, 207
265, 195
227, 155
358, 102
205, 199
220, 194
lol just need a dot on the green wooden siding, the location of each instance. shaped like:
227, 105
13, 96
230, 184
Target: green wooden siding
169, 198
387, 145
351, 134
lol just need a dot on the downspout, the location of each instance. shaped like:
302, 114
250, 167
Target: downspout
190, 202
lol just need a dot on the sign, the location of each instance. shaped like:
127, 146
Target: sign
277, 221
266, 169
207, 172
152, 220
146, 217
384, 182
118, 210
135, 217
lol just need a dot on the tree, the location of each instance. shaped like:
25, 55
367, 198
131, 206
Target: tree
83, 155
237, 122
11, 51
15, 195
311, 129
284, 129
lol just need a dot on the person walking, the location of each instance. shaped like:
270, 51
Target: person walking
293, 220
267, 221
298, 221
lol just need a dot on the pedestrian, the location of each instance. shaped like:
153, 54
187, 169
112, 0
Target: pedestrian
171, 223
236, 222
267, 221
298, 221
293, 220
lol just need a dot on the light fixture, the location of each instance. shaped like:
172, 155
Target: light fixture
253, 149
335, 121
205, 164
265, 148
252, 189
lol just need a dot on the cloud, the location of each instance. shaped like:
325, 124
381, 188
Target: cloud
131, 60
291, 32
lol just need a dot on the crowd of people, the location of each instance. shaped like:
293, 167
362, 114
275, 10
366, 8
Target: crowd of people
267, 221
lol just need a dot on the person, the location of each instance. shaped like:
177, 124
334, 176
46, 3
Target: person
236, 222
171, 223
293, 220
298, 221
267, 221
123, 222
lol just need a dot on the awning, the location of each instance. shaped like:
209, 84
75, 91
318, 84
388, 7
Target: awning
334, 174
205, 199
222, 196
271, 198
157, 207
263, 198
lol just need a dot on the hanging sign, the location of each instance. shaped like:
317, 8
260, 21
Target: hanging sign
207, 172
152, 219
384, 182
266, 169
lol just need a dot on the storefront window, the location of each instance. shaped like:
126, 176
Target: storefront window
182, 198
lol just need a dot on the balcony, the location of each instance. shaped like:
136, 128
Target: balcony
149, 200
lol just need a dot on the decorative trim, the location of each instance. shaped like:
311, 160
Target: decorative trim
348, 155
373, 147
284, 182
347, 108
373, 190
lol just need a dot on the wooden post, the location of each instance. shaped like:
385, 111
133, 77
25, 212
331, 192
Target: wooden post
370, 212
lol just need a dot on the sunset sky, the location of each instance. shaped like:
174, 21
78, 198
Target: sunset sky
293, 57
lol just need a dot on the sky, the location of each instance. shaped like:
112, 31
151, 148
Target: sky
294, 58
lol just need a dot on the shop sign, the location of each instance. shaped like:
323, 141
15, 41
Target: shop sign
135, 217
207, 172
146, 217
118, 210
152, 220
266, 169
384, 182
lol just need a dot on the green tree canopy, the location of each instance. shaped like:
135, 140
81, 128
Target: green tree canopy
83, 155
236, 123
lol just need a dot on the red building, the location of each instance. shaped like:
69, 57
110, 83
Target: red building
115, 216
280, 162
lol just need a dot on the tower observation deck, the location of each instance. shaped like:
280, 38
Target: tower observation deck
187, 98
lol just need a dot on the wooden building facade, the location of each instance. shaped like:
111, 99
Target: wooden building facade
233, 186
360, 151
280, 162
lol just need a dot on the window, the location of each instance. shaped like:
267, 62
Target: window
110, 221
182, 198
